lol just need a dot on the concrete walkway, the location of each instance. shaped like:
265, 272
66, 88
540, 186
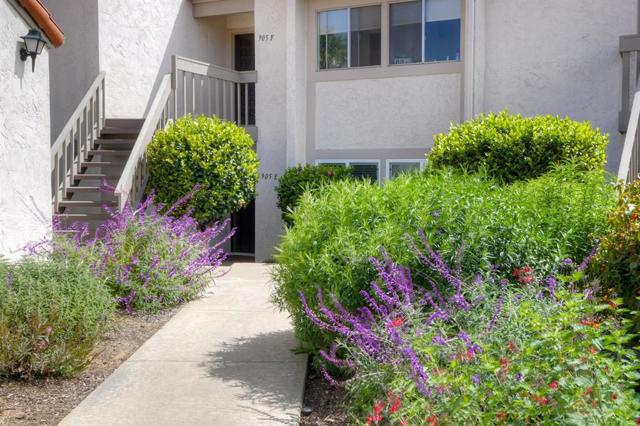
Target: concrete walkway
224, 360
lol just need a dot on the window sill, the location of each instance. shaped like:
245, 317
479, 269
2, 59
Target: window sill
388, 71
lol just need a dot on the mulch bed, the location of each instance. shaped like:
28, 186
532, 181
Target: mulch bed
327, 403
47, 401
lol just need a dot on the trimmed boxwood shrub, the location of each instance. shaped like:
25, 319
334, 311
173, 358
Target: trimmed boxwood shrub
618, 260
537, 223
296, 180
513, 147
52, 312
217, 155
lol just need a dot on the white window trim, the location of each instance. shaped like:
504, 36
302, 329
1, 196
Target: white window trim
423, 164
348, 163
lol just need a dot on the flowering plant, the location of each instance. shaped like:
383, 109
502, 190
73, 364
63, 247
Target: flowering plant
484, 352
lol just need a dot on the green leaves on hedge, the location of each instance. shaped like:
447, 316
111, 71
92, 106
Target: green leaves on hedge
296, 180
216, 154
513, 147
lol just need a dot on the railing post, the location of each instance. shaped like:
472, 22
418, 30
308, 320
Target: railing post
174, 86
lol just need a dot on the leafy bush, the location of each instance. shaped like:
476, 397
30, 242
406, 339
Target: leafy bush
512, 147
618, 260
536, 223
52, 312
296, 180
217, 155
481, 351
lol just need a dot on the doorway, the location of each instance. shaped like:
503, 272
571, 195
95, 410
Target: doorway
244, 220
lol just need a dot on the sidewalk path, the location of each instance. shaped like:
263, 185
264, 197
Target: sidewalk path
224, 360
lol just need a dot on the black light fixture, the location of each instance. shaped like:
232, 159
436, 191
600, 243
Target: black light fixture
33, 45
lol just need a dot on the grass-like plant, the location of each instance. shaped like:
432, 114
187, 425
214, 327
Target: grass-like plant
52, 312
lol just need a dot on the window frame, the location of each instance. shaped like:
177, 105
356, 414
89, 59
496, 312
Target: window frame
423, 31
347, 163
421, 161
317, 12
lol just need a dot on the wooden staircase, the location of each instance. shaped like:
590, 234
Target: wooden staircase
86, 197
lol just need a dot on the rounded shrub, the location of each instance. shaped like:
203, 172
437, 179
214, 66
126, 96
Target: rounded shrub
513, 147
536, 223
296, 180
217, 155
52, 312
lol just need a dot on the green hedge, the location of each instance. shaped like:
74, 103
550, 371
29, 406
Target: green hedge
217, 155
536, 223
52, 312
296, 180
513, 147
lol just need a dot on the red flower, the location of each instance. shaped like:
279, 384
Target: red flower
553, 385
504, 363
396, 403
524, 275
593, 350
396, 323
377, 409
432, 421
614, 396
511, 346
638, 421
590, 323
541, 400
588, 391
404, 423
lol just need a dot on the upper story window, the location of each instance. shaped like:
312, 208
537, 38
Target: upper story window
424, 31
349, 37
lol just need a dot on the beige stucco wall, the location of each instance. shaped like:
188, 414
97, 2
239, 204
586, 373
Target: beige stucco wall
387, 113
25, 193
558, 57
137, 39
74, 66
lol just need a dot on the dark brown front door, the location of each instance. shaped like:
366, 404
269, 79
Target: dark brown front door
244, 220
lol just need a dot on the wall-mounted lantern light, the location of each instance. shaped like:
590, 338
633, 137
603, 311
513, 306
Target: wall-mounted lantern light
33, 45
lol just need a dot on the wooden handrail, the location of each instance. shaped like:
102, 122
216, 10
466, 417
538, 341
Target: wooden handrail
132, 182
78, 136
629, 162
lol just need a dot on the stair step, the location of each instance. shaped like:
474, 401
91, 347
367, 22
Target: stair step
96, 176
86, 203
103, 164
82, 216
75, 189
118, 132
110, 152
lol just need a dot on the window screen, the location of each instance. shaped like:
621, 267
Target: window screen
365, 171
366, 30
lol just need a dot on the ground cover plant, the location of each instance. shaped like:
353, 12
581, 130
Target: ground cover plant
149, 258
300, 179
513, 147
536, 223
480, 351
52, 312
215, 154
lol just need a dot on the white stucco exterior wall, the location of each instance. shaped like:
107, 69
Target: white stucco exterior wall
558, 57
25, 192
386, 113
137, 40
271, 113
75, 65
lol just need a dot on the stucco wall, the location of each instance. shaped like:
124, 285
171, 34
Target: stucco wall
25, 193
137, 39
74, 65
558, 57
386, 113
271, 113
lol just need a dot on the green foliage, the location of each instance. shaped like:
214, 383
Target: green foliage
536, 223
216, 154
545, 362
618, 260
512, 147
52, 312
296, 180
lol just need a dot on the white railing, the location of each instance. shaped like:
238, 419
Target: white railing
202, 88
193, 87
630, 161
134, 176
78, 136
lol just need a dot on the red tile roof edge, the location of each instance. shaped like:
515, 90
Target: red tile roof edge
45, 21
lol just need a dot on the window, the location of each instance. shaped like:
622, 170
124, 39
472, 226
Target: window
397, 167
349, 37
434, 37
362, 169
